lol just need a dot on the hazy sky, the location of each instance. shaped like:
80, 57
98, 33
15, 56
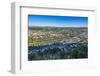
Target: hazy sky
57, 21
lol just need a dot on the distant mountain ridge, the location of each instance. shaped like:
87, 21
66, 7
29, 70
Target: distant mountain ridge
53, 27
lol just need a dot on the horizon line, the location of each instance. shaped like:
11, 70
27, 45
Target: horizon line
56, 26
59, 26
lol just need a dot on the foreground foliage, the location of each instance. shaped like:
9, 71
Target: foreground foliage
71, 51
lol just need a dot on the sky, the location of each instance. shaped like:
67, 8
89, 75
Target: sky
57, 21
